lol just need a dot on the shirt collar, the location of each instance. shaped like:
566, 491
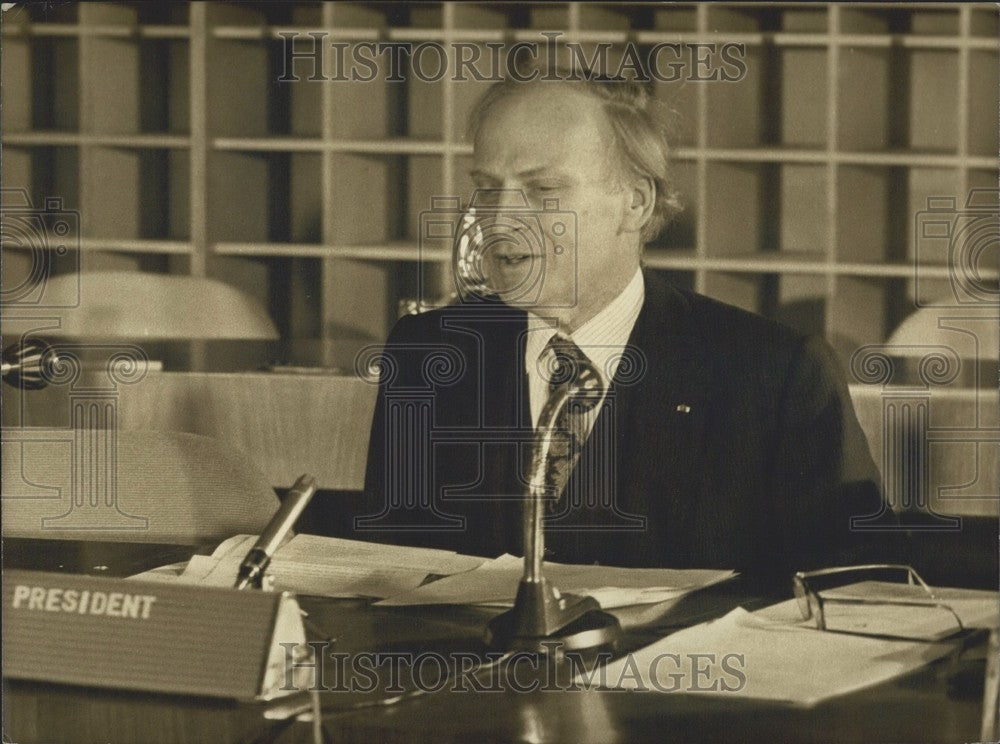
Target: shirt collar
601, 338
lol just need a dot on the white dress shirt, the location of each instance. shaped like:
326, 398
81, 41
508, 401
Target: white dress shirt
602, 338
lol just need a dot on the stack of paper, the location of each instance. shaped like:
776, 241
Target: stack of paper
495, 583
743, 655
327, 566
775, 654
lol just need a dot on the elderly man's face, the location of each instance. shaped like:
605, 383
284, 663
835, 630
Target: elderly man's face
551, 142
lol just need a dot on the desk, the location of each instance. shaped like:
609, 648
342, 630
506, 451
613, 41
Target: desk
917, 707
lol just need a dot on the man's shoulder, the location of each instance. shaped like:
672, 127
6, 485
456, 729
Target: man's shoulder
712, 322
455, 320
743, 324
737, 350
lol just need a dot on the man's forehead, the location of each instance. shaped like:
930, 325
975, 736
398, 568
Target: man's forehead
553, 104
541, 127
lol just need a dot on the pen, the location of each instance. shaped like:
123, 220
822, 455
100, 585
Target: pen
256, 561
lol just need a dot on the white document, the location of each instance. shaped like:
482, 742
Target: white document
330, 567
168, 573
495, 583
743, 655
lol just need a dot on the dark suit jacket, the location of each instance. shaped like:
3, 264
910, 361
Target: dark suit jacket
727, 441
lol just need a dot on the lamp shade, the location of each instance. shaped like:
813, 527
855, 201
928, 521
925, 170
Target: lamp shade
163, 307
972, 332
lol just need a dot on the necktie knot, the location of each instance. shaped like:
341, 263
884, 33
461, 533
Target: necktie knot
570, 366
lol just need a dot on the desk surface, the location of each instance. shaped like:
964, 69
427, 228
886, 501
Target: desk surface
92, 557
927, 705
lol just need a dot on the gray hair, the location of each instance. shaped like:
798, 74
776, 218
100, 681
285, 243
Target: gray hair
640, 134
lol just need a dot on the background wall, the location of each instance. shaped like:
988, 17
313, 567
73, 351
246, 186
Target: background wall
165, 125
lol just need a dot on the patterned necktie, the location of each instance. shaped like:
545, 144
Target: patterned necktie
569, 367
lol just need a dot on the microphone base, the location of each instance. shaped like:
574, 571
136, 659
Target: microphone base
544, 623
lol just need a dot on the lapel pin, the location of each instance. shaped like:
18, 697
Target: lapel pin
683, 408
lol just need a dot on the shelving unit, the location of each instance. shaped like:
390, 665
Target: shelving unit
165, 126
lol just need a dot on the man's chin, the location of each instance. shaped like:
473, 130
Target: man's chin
528, 292
512, 292
518, 296
532, 302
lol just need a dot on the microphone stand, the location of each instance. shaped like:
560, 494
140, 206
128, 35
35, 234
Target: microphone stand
540, 613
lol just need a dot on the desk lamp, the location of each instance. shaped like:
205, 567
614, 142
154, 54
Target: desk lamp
932, 339
137, 305
179, 320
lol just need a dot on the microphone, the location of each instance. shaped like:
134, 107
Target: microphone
257, 560
28, 365
540, 612
583, 393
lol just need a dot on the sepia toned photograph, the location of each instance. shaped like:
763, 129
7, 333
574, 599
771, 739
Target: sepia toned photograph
509, 371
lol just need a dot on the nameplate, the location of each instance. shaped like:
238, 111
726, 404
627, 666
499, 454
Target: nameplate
152, 636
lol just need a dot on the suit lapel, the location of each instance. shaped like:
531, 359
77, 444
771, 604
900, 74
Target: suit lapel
656, 408
666, 410
509, 389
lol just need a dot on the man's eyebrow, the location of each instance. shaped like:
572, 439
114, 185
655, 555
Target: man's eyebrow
543, 170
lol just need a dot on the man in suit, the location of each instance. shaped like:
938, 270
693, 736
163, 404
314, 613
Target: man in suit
718, 438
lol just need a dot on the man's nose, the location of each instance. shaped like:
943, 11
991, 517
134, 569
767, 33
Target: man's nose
512, 198
512, 211
504, 199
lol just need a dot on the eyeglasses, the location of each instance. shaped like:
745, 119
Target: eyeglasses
914, 593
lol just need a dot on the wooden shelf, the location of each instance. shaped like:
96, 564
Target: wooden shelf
885, 158
167, 128
482, 35
791, 262
397, 251
41, 138
133, 246
120, 32
395, 146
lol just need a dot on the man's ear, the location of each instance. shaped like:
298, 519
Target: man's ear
642, 198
